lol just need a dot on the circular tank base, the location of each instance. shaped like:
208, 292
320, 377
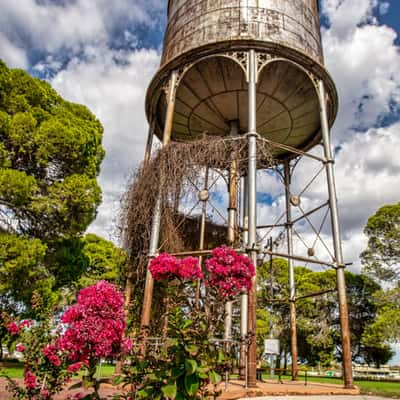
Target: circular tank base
212, 92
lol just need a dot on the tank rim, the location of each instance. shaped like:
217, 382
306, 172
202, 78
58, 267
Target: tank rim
218, 49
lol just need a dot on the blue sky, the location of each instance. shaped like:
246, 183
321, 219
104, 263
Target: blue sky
103, 54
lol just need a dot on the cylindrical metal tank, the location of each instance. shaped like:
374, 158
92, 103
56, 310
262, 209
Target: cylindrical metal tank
194, 23
207, 42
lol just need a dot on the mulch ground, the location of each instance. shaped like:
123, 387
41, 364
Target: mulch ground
235, 390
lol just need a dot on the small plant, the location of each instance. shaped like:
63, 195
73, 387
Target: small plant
95, 330
186, 368
47, 368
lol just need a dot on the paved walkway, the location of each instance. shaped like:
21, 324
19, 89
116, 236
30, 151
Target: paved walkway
236, 390
318, 398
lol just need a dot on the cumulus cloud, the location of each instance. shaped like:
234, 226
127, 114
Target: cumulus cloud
364, 62
67, 27
113, 85
11, 54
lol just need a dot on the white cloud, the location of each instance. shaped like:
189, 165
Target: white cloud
13, 56
364, 62
115, 92
52, 27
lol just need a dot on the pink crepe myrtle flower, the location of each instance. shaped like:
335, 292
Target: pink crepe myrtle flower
95, 325
20, 347
75, 367
13, 328
167, 267
229, 272
30, 380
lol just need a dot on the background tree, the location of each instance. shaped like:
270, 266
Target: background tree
318, 326
381, 260
50, 155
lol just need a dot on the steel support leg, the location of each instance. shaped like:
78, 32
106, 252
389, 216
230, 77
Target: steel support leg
232, 211
292, 288
155, 228
244, 297
252, 198
340, 277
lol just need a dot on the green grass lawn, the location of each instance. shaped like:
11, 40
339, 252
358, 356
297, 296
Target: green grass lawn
16, 370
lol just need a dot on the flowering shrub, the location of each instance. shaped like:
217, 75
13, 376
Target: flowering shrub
46, 367
229, 272
95, 329
167, 267
96, 324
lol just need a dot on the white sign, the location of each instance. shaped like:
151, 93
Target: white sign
271, 346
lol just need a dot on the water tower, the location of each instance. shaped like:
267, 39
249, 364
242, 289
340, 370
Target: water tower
252, 68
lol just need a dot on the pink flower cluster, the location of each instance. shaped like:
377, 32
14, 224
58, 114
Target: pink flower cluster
167, 267
50, 351
30, 380
229, 272
96, 324
15, 329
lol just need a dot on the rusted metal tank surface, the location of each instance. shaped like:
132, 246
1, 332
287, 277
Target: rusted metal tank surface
207, 42
195, 23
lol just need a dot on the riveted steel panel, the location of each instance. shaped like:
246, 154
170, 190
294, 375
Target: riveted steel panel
196, 23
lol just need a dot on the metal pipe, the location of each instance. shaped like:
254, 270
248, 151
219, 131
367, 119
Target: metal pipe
308, 213
149, 143
252, 198
292, 288
271, 309
202, 233
292, 149
156, 222
299, 258
169, 117
232, 210
340, 277
244, 303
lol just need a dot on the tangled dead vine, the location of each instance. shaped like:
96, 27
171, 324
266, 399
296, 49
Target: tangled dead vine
172, 175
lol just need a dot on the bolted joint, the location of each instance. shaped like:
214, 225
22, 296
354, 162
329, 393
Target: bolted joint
254, 247
329, 161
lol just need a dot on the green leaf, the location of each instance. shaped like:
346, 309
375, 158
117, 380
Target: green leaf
215, 378
169, 390
177, 372
187, 323
221, 357
192, 349
190, 366
191, 384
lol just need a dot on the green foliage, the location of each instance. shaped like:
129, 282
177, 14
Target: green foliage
187, 367
22, 270
386, 328
318, 326
381, 258
50, 155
